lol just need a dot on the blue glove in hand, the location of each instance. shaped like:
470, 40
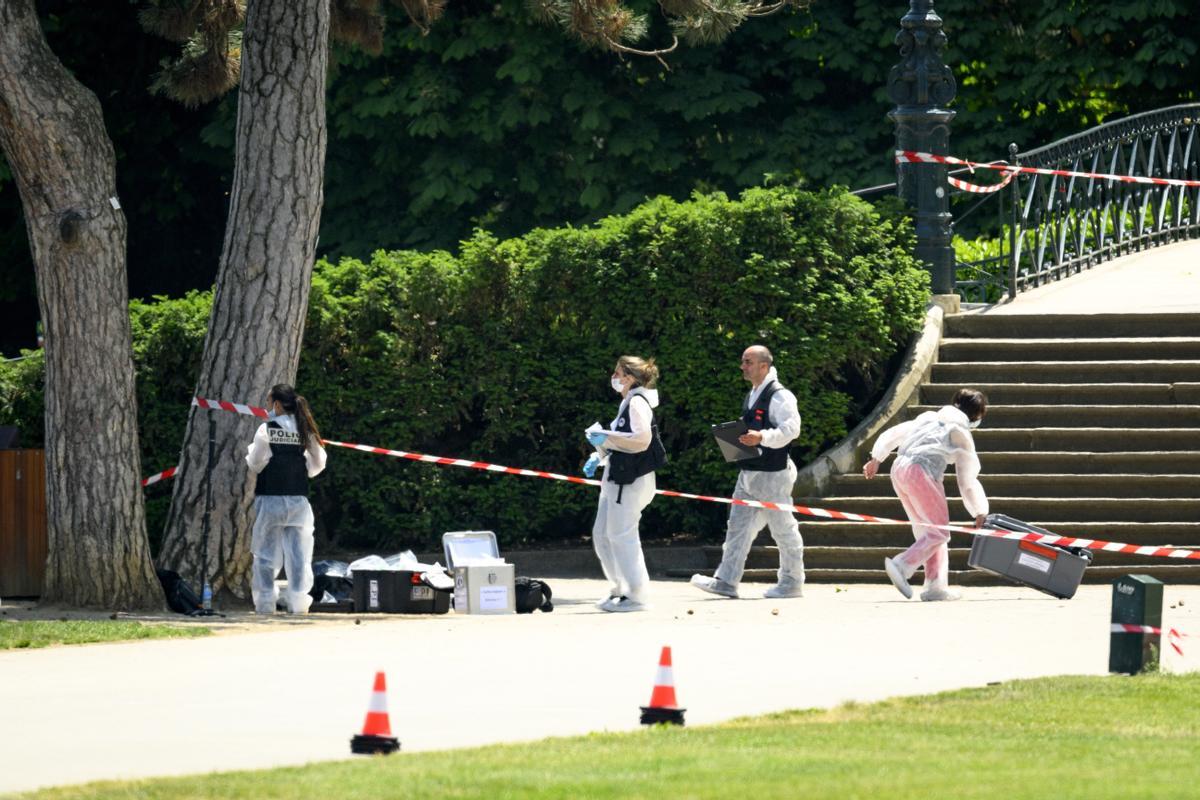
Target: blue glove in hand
596, 439
589, 467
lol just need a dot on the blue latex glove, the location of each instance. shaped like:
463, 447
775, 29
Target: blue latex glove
589, 467
596, 439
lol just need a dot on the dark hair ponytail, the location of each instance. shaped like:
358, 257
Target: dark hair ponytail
297, 406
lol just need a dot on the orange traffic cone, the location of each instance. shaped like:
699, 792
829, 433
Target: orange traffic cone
662, 708
377, 731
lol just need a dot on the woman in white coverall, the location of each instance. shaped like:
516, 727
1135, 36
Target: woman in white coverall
926, 444
285, 453
626, 455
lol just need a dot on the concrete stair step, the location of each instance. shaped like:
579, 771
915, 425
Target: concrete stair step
1136, 509
966, 373
1038, 349
1076, 326
1176, 462
1090, 440
857, 534
939, 394
1041, 485
1083, 416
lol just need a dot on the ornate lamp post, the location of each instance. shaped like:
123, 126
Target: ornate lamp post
920, 86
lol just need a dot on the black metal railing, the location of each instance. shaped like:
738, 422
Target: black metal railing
1055, 226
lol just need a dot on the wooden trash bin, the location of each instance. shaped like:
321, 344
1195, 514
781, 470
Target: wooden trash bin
22, 522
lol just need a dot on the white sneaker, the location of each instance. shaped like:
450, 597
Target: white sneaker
622, 604
714, 586
938, 593
603, 600
785, 589
897, 577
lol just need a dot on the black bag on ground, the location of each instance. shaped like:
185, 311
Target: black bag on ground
180, 597
532, 594
330, 576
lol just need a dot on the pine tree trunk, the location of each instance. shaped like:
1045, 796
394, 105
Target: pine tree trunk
261, 299
53, 136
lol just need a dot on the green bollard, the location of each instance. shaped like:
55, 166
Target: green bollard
1136, 600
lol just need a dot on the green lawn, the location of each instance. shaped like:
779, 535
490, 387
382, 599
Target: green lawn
43, 633
1070, 737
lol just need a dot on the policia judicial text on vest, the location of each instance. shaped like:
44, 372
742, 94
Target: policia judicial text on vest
286, 473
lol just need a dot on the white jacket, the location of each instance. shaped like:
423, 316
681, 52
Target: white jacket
932, 439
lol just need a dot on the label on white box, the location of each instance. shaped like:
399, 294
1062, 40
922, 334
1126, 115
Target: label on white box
493, 598
1033, 562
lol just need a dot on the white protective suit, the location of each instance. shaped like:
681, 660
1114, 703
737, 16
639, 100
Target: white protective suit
772, 487
615, 532
927, 444
283, 529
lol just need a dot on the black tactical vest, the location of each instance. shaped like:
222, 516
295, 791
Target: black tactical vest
625, 468
757, 418
286, 473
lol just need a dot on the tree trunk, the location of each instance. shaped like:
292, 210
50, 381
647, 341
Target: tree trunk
52, 134
261, 298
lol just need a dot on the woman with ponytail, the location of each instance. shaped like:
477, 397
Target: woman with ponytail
285, 453
630, 451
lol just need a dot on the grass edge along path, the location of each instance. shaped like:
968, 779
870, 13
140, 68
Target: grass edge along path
32, 634
1065, 737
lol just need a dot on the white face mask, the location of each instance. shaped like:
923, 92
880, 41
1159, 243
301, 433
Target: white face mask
974, 424
618, 387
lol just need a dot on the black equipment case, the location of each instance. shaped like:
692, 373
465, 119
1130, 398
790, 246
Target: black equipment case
397, 592
1048, 568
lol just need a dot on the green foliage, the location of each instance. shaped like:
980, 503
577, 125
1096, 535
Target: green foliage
22, 396
502, 353
496, 121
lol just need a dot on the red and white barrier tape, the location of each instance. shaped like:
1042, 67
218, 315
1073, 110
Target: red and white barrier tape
463, 462
1174, 637
808, 511
237, 408
162, 476
913, 157
976, 188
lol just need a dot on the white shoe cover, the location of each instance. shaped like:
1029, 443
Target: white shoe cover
897, 577
714, 586
938, 593
622, 604
782, 590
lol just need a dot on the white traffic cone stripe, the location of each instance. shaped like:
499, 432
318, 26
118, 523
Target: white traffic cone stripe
664, 677
378, 703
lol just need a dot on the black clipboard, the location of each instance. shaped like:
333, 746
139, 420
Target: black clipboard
727, 434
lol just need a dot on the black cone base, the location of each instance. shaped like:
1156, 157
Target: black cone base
662, 716
374, 745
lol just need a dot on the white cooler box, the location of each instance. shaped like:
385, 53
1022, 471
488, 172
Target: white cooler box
483, 582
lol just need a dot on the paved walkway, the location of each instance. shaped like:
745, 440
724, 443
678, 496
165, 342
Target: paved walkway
1163, 279
293, 691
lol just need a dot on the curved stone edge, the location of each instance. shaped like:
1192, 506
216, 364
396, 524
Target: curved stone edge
849, 454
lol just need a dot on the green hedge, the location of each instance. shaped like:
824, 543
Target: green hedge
502, 353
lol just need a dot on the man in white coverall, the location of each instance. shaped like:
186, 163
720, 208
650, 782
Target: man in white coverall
773, 420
